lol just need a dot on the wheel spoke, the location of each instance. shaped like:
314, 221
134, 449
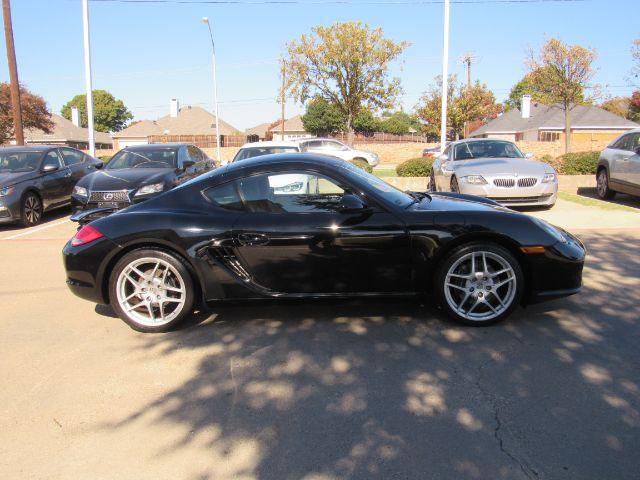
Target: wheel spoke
456, 286
473, 307
150, 308
473, 263
500, 272
135, 283
488, 303
457, 275
173, 300
138, 272
173, 289
137, 305
484, 263
499, 284
464, 300
131, 296
161, 306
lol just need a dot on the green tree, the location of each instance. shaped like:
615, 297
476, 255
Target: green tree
399, 123
35, 113
560, 73
347, 64
322, 118
366, 123
109, 113
463, 105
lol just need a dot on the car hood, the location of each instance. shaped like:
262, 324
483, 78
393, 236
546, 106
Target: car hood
453, 202
11, 178
501, 166
125, 179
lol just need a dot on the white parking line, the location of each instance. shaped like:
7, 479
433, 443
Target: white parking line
37, 229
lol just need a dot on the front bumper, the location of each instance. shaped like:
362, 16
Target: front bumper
541, 194
9, 210
557, 272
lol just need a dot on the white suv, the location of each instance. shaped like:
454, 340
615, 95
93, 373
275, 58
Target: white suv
334, 148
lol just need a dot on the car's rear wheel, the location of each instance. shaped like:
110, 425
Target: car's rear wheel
479, 284
603, 189
31, 213
151, 290
454, 185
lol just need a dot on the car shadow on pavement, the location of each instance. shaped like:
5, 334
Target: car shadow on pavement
57, 214
390, 389
619, 199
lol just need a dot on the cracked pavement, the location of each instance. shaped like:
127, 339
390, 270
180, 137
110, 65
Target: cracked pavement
331, 390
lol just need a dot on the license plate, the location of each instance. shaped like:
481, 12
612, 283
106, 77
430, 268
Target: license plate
107, 204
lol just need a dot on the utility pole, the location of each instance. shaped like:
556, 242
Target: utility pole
215, 88
13, 73
87, 76
467, 59
282, 99
445, 77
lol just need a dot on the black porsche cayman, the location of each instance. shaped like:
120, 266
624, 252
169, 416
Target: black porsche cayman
305, 226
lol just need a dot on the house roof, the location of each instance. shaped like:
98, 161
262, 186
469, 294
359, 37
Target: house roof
259, 130
293, 124
65, 131
545, 117
190, 121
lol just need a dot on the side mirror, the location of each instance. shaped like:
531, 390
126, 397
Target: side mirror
442, 157
351, 203
529, 155
188, 163
50, 168
637, 150
99, 165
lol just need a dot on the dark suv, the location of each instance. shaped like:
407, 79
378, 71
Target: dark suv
38, 178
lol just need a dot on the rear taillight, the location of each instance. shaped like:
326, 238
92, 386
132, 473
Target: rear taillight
86, 234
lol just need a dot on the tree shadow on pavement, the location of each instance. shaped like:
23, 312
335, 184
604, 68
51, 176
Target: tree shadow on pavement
390, 389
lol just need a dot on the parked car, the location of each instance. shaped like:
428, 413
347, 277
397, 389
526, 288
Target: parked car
495, 169
229, 235
334, 148
619, 166
256, 149
38, 178
139, 172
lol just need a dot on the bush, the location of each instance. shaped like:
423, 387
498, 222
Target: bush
416, 167
579, 163
363, 164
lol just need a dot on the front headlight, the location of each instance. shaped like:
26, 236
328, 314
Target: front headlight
149, 189
474, 180
549, 177
4, 191
80, 191
551, 230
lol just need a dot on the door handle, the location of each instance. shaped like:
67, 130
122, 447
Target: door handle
247, 239
68, 174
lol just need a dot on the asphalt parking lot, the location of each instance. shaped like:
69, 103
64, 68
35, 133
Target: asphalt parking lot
358, 390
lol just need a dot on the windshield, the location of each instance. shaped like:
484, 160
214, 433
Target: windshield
246, 153
19, 161
160, 158
486, 149
391, 193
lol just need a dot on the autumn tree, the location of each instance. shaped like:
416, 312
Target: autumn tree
322, 118
618, 106
35, 114
635, 70
347, 64
560, 73
109, 113
463, 105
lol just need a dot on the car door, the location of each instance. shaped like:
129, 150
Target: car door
312, 146
296, 238
56, 181
633, 165
74, 160
619, 154
440, 172
335, 149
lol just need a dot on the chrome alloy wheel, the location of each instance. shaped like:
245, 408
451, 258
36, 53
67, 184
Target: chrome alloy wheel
480, 286
151, 292
32, 209
602, 183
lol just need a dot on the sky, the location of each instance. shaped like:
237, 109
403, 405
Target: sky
147, 53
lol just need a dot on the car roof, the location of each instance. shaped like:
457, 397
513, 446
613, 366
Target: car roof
469, 140
155, 146
30, 148
270, 144
310, 139
275, 159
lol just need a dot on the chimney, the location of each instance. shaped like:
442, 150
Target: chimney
75, 116
525, 106
174, 107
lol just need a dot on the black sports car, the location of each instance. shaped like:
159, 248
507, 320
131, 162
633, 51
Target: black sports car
137, 173
38, 178
305, 226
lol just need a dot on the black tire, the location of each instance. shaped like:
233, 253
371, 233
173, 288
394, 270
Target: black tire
462, 251
432, 183
602, 185
180, 275
454, 185
31, 210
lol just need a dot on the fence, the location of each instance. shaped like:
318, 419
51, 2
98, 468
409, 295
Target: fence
381, 137
202, 141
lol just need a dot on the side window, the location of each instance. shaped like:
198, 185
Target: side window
313, 144
194, 153
53, 159
183, 155
634, 142
72, 157
621, 143
225, 196
329, 145
290, 192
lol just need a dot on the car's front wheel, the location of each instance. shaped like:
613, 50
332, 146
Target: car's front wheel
454, 185
152, 290
479, 284
603, 189
31, 210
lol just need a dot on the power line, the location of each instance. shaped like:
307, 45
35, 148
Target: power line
331, 2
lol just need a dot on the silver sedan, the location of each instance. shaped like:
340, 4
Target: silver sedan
495, 169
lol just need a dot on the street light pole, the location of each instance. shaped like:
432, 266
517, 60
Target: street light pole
13, 74
445, 78
87, 76
215, 87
